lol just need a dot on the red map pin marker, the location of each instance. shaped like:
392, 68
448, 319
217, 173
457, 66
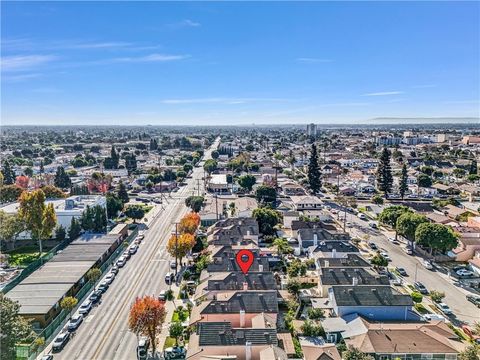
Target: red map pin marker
244, 260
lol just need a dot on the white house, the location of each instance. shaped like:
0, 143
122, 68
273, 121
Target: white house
306, 203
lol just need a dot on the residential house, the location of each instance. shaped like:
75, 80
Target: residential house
301, 203
218, 183
348, 276
315, 348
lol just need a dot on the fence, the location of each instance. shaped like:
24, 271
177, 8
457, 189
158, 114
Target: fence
31, 351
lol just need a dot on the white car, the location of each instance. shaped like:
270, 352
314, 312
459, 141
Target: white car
385, 255
362, 216
109, 278
444, 308
391, 239
428, 265
85, 308
434, 317
121, 262
464, 272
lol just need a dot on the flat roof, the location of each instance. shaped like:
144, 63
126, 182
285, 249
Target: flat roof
44, 288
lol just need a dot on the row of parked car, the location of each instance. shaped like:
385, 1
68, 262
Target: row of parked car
73, 324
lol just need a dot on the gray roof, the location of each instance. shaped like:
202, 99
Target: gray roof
345, 276
350, 260
339, 246
249, 301
221, 334
45, 287
369, 296
235, 280
224, 260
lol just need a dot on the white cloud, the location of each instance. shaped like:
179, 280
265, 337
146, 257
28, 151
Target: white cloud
20, 77
149, 58
25, 62
183, 24
217, 100
98, 45
309, 60
384, 93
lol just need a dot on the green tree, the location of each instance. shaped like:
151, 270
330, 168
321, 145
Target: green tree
293, 287
93, 275
266, 195
215, 154
473, 170
114, 205
309, 328
267, 219
246, 182
355, 354
210, 166
384, 173
53, 192
28, 171
436, 237
10, 193
314, 174
68, 303
282, 246
424, 180
13, 327
75, 229
407, 224
122, 192
378, 260
472, 352
437, 296
403, 186
316, 313
135, 212
10, 226
176, 330
416, 297
39, 219
195, 203
62, 180
377, 199
60, 233
8, 173
390, 215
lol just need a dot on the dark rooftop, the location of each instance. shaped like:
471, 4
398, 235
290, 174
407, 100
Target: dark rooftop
222, 334
235, 280
249, 301
369, 296
346, 276
351, 260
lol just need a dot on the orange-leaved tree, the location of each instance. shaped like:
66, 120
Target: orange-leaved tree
189, 223
146, 318
179, 249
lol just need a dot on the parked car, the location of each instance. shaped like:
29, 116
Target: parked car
175, 352
362, 216
103, 286
141, 235
95, 297
162, 295
373, 225
74, 322
47, 357
401, 271
428, 265
444, 308
173, 264
121, 262
114, 269
464, 273
385, 255
109, 278
169, 278
133, 249
409, 250
142, 348
420, 287
372, 246
434, 317
85, 307
126, 254
60, 341
474, 299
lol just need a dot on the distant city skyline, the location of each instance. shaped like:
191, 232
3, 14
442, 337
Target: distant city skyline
189, 63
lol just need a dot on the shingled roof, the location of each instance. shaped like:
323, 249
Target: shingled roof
222, 334
249, 301
346, 276
235, 281
369, 296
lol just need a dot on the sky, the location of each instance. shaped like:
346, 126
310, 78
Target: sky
237, 63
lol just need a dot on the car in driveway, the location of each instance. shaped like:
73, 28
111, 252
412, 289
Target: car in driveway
95, 297
474, 299
74, 322
85, 307
444, 308
464, 273
60, 341
420, 287
401, 271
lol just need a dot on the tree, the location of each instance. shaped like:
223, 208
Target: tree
309, 328
22, 181
60, 233
146, 318
135, 212
10, 226
68, 303
316, 313
267, 219
176, 330
210, 166
403, 186
179, 246
314, 180
93, 275
282, 246
195, 203
75, 229
39, 219
246, 182
115, 158
355, 354
377, 199
390, 215
28, 171
384, 173
424, 180
8, 173
407, 224
437, 296
130, 163
52, 192
266, 195
472, 352
13, 327
122, 192
189, 223
416, 297
473, 170
114, 205
10, 193
293, 287
62, 180
436, 237
378, 260
215, 154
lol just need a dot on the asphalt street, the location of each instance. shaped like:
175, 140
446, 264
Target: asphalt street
104, 333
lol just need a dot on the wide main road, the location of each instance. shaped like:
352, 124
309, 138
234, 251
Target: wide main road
104, 333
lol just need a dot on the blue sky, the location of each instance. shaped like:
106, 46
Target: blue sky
234, 63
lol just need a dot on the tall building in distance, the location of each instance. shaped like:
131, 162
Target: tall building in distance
312, 130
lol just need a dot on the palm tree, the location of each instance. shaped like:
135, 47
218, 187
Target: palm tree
282, 246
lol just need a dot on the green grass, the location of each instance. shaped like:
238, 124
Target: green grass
421, 309
23, 256
169, 342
